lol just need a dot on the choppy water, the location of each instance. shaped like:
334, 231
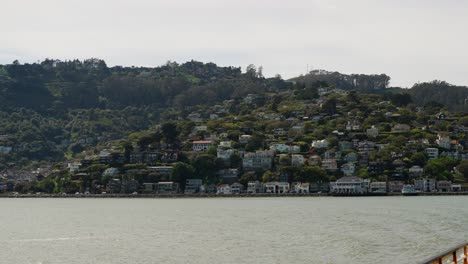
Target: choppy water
230, 230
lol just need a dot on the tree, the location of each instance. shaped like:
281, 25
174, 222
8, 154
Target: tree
247, 177
312, 174
463, 169
418, 158
181, 172
169, 132
205, 168
269, 176
235, 160
440, 168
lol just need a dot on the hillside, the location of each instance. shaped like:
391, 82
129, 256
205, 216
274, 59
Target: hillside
203, 120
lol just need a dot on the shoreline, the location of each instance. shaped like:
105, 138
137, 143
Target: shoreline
213, 195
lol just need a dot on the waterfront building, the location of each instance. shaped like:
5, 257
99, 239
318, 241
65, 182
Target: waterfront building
378, 187
223, 189
349, 185
444, 186
237, 187
254, 187
276, 187
395, 186
168, 187
425, 185
192, 185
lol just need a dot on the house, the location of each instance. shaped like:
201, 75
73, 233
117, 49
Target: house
254, 187
195, 117
425, 185
149, 186
225, 154
320, 143
192, 185
349, 185
279, 131
353, 125
161, 170
223, 189
401, 128
228, 176
5, 149
395, 186
258, 160
365, 146
243, 139
74, 166
201, 145
345, 145
378, 187
329, 164
283, 148
167, 187
441, 116
319, 187
348, 169
456, 188
443, 140
225, 144
432, 153
110, 172
297, 160
237, 187
351, 157
303, 187
372, 132
444, 186
415, 171
276, 187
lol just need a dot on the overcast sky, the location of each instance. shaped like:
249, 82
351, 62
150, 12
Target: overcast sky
410, 40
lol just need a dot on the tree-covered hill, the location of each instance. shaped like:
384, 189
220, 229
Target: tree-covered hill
53, 108
455, 98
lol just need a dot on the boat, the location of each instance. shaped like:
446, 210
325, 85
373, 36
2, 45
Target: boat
457, 254
408, 190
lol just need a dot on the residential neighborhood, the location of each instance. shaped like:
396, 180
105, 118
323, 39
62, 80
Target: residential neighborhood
326, 145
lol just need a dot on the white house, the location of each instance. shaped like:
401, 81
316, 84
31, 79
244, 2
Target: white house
320, 143
276, 187
223, 189
254, 187
201, 145
443, 140
350, 185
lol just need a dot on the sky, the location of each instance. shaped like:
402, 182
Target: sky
409, 40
